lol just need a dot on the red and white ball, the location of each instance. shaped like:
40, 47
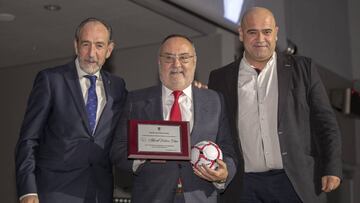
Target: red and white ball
205, 153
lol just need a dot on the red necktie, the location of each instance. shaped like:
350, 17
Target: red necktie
175, 113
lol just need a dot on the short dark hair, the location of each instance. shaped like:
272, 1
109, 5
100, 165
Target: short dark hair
92, 19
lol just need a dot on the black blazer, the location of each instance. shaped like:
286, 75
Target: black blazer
308, 131
56, 155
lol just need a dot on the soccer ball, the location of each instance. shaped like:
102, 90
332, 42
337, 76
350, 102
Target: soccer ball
205, 152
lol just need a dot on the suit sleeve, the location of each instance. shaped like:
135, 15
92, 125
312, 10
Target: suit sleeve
30, 134
224, 140
119, 147
324, 126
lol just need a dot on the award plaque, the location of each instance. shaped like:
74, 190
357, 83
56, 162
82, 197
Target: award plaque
158, 140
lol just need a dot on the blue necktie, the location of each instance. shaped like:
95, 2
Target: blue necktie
91, 103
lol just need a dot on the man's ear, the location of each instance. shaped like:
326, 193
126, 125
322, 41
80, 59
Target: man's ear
277, 30
241, 34
75, 47
110, 49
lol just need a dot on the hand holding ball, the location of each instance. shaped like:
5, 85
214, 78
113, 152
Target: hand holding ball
205, 153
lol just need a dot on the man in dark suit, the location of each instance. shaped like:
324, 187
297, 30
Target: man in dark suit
177, 181
285, 128
62, 154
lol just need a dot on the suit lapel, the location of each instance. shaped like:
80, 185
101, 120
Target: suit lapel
200, 108
72, 80
231, 78
284, 69
197, 109
107, 112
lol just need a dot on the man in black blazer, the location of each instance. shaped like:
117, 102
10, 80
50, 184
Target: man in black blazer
284, 126
62, 154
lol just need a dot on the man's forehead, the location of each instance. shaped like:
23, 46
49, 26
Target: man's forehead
100, 41
258, 26
258, 29
170, 47
176, 42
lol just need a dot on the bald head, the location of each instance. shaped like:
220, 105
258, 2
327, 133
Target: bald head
258, 32
257, 12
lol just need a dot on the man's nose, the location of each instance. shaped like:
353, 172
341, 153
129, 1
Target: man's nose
92, 51
260, 37
177, 62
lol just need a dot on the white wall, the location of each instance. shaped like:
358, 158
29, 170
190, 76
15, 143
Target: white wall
320, 29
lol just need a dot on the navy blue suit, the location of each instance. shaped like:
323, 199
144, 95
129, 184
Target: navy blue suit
56, 154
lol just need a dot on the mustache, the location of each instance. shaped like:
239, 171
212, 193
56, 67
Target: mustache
91, 60
261, 44
176, 70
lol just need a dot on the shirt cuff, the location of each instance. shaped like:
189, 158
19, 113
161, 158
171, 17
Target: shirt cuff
29, 194
219, 186
136, 164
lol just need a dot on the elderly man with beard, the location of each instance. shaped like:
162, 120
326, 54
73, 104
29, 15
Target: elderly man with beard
62, 154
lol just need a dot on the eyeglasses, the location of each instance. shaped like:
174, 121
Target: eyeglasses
172, 58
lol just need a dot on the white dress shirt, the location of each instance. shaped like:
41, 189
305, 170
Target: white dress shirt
185, 103
257, 116
100, 91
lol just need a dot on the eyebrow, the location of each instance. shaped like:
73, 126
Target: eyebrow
260, 30
88, 41
181, 54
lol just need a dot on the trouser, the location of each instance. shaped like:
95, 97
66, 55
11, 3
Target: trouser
268, 187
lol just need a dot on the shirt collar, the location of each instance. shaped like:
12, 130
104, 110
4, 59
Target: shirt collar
82, 73
245, 64
187, 91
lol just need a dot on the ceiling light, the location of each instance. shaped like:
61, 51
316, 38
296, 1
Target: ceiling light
52, 7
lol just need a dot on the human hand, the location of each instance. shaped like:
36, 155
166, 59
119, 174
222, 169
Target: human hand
329, 183
219, 175
30, 199
199, 84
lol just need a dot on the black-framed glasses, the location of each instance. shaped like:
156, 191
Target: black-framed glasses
171, 58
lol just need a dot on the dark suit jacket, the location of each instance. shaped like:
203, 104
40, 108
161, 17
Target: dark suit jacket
56, 155
308, 132
156, 182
